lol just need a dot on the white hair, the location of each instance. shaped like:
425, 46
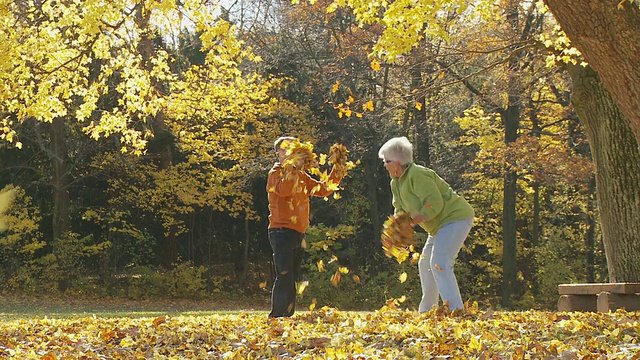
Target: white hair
397, 149
278, 143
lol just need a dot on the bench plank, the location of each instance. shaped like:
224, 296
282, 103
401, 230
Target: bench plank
597, 288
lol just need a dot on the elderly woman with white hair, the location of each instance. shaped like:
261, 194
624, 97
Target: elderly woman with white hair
435, 207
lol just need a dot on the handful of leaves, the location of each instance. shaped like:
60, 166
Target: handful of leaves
398, 236
300, 156
338, 158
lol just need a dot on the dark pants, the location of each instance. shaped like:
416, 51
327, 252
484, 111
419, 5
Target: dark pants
287, 258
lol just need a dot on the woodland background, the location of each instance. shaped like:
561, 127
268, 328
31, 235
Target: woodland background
140, 135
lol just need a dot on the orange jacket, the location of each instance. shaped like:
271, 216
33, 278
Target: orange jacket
289, 198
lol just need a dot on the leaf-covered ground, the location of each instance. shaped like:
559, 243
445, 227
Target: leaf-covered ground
327, 333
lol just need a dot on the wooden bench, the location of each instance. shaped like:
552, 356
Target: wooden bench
603, 297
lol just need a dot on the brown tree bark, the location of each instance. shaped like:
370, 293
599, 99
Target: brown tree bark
60, 181
511, 121
617, 160
607, 32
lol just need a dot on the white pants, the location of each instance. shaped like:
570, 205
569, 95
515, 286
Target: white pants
436, 265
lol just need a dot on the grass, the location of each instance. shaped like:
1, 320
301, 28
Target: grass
28, 306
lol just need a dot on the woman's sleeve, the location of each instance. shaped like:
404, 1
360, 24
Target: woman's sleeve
424, 186
394, 202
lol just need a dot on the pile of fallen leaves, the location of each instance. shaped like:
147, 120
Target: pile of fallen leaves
327, 333
398, 236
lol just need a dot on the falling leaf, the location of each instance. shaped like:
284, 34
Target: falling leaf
335, 279
263, 284
343, 269
301, 286
356, 278
403, 277
320, 265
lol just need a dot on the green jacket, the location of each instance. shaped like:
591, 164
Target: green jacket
421, 190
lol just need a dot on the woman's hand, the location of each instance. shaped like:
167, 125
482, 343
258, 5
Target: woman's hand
418, 218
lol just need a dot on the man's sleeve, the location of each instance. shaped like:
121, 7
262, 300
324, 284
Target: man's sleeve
276, 183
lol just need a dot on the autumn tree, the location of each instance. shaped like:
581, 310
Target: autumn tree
606, 33
108, 72
617, 159
596, 100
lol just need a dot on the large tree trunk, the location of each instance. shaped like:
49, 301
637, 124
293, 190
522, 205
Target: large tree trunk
617, 160
607, 32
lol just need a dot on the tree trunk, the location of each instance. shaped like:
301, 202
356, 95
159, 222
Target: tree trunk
511, 122
591, 235
61, 199
163, 141
245, 253
372, 196
418, 110
60, 182
617, 161
607, 34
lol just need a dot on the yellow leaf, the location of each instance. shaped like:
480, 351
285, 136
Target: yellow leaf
335, 279
474, 344
419, 106
368, 106
375, 64
323, 159
343, 270
320, 265
263, 285
301, 286
403, 277
127, 341
335, 87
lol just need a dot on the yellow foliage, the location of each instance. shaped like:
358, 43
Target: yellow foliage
398, 236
